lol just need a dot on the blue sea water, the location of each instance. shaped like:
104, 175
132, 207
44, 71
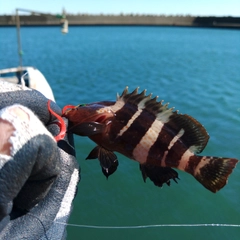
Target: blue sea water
197, 70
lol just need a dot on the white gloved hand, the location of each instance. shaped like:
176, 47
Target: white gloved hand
38, 176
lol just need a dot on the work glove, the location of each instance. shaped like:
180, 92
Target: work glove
38, 175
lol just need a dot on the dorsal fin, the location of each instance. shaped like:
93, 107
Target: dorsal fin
134, 98
194, 135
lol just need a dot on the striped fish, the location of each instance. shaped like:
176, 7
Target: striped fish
145, 130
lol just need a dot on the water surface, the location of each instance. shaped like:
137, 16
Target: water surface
197, 70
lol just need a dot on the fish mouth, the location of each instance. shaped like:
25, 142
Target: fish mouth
104, 114
103, 118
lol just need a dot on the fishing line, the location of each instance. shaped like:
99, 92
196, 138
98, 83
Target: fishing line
151, 226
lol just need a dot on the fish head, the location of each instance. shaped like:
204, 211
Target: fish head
93, 112
89, 119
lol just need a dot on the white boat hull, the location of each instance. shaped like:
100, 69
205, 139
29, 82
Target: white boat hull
32, 77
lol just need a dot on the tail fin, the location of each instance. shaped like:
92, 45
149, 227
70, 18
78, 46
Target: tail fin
213, 172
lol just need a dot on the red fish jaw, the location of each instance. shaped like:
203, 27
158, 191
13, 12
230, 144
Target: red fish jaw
89, 120
95, 112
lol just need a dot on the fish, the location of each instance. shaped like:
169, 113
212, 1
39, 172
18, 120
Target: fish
144, 129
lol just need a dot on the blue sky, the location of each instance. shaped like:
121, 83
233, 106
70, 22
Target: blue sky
182, 7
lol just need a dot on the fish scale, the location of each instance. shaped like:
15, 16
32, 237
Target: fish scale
145, 130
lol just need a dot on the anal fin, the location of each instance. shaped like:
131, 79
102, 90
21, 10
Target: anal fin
158, 175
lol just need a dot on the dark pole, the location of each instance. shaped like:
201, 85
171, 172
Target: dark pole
20, 52
19, 38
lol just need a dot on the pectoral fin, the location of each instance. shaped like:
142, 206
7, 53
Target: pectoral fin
87, 128
159, 175
108, 160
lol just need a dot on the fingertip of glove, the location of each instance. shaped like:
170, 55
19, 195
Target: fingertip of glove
25, 124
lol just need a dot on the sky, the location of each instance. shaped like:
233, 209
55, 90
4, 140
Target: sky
167, 7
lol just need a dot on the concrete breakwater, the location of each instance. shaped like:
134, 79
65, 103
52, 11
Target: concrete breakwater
151, 20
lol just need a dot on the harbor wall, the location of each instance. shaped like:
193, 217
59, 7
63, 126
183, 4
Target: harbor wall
154, 20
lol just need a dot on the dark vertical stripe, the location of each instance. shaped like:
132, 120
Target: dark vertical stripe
192, 164
122, 116
177, 150
175, 154
157, 150
160, 147
133, 135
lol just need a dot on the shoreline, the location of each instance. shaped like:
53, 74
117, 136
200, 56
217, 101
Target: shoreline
123, 20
